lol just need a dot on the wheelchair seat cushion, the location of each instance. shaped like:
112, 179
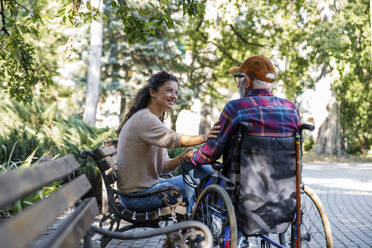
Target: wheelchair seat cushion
267, 194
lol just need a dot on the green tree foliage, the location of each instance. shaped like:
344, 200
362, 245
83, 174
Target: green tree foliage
126, 67
340, 42
240, 29
142, 20
310, 38
351, 49
22, 70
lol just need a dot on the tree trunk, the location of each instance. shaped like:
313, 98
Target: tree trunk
205, 119
329, 134
94, 66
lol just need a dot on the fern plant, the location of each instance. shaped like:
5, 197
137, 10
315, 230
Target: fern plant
43, 128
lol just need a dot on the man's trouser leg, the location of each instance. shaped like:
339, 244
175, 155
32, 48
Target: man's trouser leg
192, 176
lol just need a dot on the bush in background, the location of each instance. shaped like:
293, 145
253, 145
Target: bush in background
308, 143
47, 128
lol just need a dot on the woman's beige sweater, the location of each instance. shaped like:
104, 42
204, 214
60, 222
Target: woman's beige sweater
141, 151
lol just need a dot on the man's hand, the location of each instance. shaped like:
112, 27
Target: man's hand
214, 131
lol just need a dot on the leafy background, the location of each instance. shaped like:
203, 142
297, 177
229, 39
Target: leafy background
44, 49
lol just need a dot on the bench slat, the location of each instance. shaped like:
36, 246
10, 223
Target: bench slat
35, 219
16, 185
69, 233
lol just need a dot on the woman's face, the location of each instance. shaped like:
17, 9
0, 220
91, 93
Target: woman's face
166, 96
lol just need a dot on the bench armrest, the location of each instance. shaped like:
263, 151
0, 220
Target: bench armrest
194, 230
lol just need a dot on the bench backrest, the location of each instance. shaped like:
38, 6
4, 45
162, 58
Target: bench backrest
106, 161
27, 226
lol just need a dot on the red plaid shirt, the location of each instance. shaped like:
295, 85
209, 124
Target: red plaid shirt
270, 116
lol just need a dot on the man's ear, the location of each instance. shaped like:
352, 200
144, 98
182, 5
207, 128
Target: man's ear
248, 85
246, 82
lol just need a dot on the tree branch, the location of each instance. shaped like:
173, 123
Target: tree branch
240, 36
3, 28
22, 6
323, 72
225, 53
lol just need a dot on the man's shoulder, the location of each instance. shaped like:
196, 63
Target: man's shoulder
233, 104
286, 102
234, 101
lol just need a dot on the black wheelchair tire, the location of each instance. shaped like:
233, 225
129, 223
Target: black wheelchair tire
206, 199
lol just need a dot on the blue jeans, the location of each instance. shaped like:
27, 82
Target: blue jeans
154, 201
192, 177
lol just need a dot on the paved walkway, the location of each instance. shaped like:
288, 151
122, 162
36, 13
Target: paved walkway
346, 193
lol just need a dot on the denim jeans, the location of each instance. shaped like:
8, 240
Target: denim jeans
154, 201
192, 177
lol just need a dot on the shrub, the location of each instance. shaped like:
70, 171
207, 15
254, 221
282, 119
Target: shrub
41, 128
308, 142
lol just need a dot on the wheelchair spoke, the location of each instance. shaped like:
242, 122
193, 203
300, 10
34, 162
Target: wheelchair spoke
214, 208
316, 231
315, 228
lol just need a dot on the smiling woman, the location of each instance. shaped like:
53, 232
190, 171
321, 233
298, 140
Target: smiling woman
143, 139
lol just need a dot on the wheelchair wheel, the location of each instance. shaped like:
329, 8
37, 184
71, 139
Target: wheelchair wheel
215, 209
315, 228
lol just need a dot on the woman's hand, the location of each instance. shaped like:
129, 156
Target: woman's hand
187, 154
214, 131
191, 140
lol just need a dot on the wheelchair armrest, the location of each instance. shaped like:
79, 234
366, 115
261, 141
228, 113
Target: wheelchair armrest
217, 166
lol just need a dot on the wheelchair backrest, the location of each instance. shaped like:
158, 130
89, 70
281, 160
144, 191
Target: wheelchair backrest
264, 168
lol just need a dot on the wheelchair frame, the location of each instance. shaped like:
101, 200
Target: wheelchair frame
223, 189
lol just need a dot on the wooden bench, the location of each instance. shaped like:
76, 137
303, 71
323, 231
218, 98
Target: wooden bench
179, 234
26, 228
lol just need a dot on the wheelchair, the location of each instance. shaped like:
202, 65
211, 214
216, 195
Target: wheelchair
265, 208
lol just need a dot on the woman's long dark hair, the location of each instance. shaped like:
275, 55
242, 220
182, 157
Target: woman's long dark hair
143, 97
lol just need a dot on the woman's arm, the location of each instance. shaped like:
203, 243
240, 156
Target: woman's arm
174, 162
191, 140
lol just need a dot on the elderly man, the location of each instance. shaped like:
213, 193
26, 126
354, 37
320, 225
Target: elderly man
270, 116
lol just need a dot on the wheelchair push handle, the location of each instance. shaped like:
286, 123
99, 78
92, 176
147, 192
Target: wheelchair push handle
307, 127
246, 124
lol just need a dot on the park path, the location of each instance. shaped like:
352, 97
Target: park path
345, 190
